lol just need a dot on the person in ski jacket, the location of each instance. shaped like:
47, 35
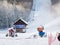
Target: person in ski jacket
40, 30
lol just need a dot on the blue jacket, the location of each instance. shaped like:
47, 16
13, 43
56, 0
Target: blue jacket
41, 34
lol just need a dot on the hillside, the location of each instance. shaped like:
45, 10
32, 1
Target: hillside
11, 10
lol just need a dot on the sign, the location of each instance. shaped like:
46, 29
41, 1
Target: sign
20, 26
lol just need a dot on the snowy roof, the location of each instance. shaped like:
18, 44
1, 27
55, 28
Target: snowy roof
21, 21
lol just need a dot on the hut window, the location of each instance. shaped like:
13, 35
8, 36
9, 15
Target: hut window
20, 26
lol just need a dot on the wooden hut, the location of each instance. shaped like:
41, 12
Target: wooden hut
20, 26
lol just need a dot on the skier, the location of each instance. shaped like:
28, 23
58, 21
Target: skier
40, 30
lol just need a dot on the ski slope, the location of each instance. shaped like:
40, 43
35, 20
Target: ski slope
51, 25
26, 39
14, 41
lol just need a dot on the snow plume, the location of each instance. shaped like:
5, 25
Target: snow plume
54, 24
56, 8
44, 14
41, 14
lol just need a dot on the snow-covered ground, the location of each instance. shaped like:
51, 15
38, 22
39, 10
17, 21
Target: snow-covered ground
26, 39
22, 39
13, 41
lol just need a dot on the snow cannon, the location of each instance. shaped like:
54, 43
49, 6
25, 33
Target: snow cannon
11, 33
